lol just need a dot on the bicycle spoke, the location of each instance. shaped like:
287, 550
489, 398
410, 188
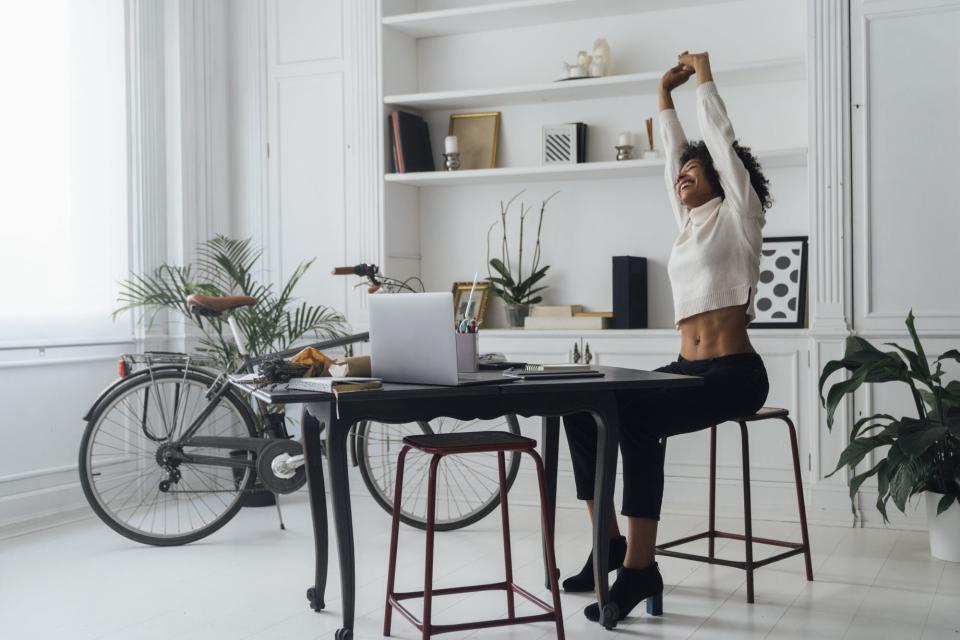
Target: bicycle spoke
124, 472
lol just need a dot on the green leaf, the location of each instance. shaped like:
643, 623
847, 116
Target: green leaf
524, 286
858, 449
883, 490
945, 503
858, 425
828, 369
857, 481
952, 354
920, 368
497, 264
921, 356
919, 435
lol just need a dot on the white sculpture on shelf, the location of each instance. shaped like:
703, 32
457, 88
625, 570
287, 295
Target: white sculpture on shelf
579, 70
600, 65
590, 65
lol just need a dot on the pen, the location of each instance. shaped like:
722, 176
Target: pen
466, 312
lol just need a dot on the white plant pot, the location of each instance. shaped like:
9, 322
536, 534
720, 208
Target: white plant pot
944, 529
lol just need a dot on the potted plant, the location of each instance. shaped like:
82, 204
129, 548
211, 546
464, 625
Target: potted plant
507, 276
225, 267
921, 454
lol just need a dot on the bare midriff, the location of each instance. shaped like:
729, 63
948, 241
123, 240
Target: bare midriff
715, 333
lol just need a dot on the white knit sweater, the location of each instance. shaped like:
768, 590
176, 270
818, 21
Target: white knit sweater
715, 261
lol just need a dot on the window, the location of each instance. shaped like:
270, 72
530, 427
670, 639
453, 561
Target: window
63, 175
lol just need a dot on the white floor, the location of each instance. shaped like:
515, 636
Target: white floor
82, 581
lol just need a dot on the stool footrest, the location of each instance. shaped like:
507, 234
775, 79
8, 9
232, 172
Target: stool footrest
493, 586
549, 616
664, 549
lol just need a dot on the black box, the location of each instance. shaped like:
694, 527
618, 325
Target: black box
629, 292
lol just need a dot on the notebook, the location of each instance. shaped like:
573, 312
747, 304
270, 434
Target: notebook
410, 142
334, 385
543, 371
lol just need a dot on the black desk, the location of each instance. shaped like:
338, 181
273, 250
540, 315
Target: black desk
396, 403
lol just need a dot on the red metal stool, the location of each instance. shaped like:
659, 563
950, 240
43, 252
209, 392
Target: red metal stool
440, 445
795, 548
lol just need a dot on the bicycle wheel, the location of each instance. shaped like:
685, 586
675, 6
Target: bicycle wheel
125, 477
468, 485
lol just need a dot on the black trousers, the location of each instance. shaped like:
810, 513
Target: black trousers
734, 385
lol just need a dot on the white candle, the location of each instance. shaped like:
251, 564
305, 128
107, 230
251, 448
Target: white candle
450, 145
625, 139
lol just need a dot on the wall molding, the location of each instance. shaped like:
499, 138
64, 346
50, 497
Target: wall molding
363, 136
829, 164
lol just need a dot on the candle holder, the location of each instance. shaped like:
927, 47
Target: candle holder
451, 161
624, 152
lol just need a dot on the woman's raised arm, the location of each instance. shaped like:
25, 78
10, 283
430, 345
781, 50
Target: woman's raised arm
717, 132
672, 136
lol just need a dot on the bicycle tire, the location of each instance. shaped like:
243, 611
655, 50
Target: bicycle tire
115, 396
384, 497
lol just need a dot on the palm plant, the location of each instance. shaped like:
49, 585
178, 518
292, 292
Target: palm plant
923, 453
508, 284
225, 266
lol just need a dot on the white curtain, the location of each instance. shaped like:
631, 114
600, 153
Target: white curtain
63, 169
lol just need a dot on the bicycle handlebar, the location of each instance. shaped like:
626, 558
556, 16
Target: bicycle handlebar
346, 271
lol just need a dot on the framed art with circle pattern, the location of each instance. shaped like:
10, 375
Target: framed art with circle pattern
781, 300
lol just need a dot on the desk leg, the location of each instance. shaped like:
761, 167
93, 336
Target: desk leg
608, 428
549, 445
337, 458
318, 507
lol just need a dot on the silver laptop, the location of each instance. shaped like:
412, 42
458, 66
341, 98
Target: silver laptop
412, 339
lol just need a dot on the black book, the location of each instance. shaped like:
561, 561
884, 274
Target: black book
410, 143
581, 142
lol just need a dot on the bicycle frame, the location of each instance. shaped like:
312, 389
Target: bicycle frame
222, 388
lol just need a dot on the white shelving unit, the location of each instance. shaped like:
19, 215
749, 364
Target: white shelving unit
434, 222
617, 86
521, 13
796, 157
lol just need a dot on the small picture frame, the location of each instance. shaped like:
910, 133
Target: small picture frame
478, 135
781, 301
559, 144
481, 295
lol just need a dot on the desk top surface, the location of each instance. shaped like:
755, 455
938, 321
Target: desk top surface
614, 379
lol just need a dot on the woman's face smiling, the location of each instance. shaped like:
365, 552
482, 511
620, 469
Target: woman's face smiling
691, 186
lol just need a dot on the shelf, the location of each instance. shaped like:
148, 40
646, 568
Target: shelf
632, 84
796, 157
624, 333
522, 13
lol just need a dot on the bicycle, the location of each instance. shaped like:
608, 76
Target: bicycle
171, 451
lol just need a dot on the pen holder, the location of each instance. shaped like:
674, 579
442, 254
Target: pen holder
467, 352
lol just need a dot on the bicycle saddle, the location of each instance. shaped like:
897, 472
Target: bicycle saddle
215, 305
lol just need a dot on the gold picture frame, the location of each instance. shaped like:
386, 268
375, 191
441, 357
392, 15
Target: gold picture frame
478, 135
461, 292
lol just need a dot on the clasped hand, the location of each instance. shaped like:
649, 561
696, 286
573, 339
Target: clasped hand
687, 64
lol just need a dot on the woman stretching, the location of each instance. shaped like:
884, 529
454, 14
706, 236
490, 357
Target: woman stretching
719, 198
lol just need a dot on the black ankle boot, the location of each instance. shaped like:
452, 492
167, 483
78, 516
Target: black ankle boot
632, 586
583, 581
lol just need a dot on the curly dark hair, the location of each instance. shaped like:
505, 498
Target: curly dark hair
698, 150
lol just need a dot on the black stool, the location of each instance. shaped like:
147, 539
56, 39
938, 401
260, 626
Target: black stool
440, 445
765, 413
